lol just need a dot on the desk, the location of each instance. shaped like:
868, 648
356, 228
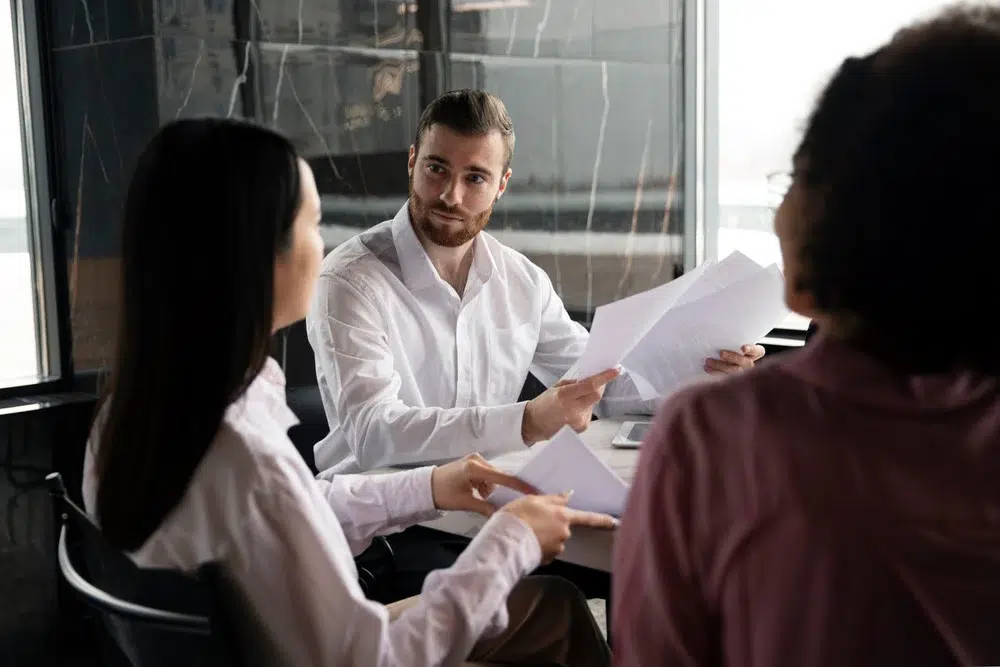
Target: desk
587, 547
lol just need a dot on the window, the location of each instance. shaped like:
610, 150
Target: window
596, 90
28, 351
774, 57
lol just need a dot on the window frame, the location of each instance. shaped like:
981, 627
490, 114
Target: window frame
701, 131
47, 257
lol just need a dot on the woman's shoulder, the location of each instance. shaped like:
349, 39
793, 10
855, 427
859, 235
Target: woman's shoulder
230, 495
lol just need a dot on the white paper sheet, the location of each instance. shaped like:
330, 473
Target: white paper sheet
565, 463
672, 354
662, 336
618, 326
731, 269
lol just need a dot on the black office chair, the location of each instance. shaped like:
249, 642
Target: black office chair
153, 617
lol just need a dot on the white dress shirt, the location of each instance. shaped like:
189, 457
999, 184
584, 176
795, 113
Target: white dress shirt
287, 540
412, 372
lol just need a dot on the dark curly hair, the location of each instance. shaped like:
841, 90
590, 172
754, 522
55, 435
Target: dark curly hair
900, 171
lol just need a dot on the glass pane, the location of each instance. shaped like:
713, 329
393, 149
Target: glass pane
18, 340
595, 90
594, 196
596, 93
774, 58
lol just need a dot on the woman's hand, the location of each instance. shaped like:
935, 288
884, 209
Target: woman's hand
465, 484
551, 520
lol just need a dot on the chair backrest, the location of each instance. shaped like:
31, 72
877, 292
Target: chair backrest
154, 617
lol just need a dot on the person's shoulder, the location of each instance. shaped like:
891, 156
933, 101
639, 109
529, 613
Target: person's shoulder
366, 262
723, 444
360, 252
230, 493
719, 412
254, 434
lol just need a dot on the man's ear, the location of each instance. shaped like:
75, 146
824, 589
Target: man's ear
503, 184
412, 161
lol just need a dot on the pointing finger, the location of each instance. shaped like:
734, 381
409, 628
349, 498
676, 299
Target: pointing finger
486, 473
591, 519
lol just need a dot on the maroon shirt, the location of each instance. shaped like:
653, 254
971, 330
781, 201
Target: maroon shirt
819, 510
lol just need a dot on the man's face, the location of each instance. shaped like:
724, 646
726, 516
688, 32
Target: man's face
455, 180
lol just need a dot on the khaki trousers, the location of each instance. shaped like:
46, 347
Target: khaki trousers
550, 624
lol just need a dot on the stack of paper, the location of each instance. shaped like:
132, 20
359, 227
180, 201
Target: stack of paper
663, 336
565, 463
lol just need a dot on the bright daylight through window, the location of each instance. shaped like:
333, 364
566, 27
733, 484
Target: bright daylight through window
18, 340
774, 58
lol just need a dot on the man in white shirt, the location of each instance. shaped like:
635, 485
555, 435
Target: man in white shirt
424, 327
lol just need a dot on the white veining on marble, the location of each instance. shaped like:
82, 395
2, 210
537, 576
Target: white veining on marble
513, 32
327, 151
665, 240
109, 110
640, 185
282, 75
540, 28
572, 24
277, 88
241, 78
107, 23
557, 164
300, 21
194, 72
86, 17
593, 183
97, 152
77, 223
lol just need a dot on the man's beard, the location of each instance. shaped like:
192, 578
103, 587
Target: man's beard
448, 236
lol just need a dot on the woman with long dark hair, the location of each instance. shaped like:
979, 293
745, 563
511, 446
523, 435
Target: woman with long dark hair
189, 461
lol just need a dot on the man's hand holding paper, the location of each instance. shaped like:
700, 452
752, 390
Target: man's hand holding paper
672, 334
566, 403
729, 361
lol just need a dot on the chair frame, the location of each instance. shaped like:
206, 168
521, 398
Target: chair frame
95, 597
101, 600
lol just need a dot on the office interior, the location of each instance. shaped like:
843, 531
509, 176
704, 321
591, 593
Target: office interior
652, 135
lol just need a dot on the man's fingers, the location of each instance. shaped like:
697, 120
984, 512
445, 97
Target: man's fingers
602, 378
717, 366
736, 358
591, 519
755, 352
589, 389
486, 473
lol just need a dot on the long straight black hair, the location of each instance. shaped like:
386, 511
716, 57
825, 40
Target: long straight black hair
210, 206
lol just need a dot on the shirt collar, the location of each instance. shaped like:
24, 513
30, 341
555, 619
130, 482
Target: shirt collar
418, 271
268, 391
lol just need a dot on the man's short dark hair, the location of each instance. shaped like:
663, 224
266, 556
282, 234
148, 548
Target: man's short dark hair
472, 113
900, 169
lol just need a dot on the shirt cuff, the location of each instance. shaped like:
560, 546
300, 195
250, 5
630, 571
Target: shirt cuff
413, 500
506, 545
502, 428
